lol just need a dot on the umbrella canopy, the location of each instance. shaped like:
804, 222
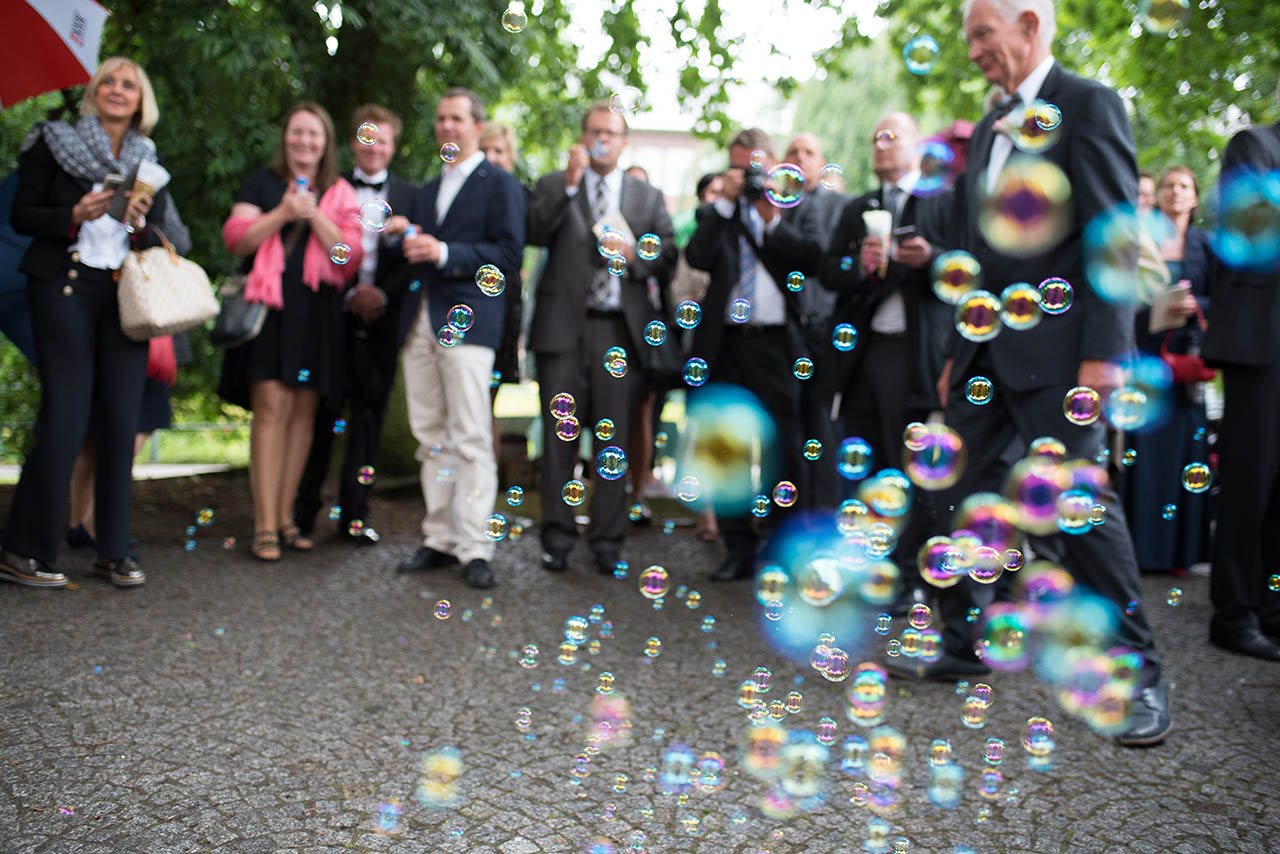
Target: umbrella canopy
49, 44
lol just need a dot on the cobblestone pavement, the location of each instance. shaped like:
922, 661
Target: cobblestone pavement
237, 706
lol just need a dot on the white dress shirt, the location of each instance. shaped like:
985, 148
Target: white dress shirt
768, 306
452, 177
369, 239
891, 315
102, 243
1026, 92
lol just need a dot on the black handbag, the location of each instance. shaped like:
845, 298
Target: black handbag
238, 322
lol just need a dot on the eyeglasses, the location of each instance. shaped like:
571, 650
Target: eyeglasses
605, 134
884, 139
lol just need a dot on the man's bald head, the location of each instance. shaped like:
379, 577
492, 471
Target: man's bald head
896, 146
805, 151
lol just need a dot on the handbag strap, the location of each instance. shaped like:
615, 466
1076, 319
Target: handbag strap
291, 239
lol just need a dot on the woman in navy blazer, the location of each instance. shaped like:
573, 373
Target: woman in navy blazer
86, 363
1153, 478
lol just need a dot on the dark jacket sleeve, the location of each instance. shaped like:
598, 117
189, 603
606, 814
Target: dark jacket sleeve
704, 246
659, 223
503, 240
548, 206
35, 212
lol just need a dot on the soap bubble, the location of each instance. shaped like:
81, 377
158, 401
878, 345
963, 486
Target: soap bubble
955, 274
514, 19
655, 332
490, 280
844, 337
340, 253
977, 316
832, 176
1163, 17
367, 133
784, 187
460, 317
1029, 209
649, 246
449, 152
920, 54
1056, 295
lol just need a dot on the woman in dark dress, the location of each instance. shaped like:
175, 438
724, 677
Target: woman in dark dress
1154, 480
296, 225
91, 374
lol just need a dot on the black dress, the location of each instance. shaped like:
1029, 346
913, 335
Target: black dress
1154, 480
302, 345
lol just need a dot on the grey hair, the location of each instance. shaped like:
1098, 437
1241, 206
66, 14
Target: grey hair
1011, 9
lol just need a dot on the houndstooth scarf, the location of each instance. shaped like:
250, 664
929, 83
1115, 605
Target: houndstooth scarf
83, 150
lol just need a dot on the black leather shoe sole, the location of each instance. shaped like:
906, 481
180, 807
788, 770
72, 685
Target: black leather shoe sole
15, 575
123, 573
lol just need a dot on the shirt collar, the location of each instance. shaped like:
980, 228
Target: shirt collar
464, 168
612, 181
907, 183
1028, 89
378, 178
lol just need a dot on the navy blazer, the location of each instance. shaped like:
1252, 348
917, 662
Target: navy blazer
1096, 152
484, 225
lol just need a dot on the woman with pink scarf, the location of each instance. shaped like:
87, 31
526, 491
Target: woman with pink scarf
295, 224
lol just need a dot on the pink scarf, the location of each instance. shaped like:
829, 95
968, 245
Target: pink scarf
264, 285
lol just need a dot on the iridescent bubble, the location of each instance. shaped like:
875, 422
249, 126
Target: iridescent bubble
461, 317
654, 582
449, 336
515, 496
339, 426
652, 647
529, 656
802, 369
367, 133
978, 316
1048, 117
1273, 584
573, 493
442, 609
615, 362
1020, 306
563, 405
649, 246
1082, 406
844, 337
1248, 234
979, 390
568, 429
374, 214
812, 449
1196, 477
340, 253
1113, 242
616, 266
1034, 126
449, 152
795, 281
920, 615
655, 332
1029, 209
937, 168
784, 186
785, 493
1006, 637
940, 461
688, 314
514, 19
920, 54
740, 310
955, 274
832, 176
1056, 295
625, 100
1075, 511
913, 435
1037, 737
1163, 17
490, 280
853, 458
696, 372
1169, 512
761, 506
611, 462
1128, 408
605, 429
689, 488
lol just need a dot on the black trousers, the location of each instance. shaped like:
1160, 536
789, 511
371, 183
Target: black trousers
1102, 559
760, 360
86, 366
580, 372
1246, 547
371, 359
820, 484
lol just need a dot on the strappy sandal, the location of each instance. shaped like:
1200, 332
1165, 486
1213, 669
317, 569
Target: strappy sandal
291, 536
266, 545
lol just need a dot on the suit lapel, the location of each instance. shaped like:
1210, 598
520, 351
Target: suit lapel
477, 176
431, 192
584, 204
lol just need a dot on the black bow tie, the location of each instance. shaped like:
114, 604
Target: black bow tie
1006, 105
360, 182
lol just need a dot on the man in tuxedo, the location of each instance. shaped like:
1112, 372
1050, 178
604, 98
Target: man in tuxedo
373, 323
582, 310
749, 248
817, 214
470, 216
1242, 340
1032, 370
889, 378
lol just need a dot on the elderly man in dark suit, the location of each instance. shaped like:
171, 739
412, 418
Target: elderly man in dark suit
750, 249
1244, 340
373, 324
583, 310
471, 216
1032, 370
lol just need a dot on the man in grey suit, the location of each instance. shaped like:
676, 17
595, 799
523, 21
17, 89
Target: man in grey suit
583, 310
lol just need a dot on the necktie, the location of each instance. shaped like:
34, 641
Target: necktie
893, 202
360, 182
602, 202
747, 260
605, 292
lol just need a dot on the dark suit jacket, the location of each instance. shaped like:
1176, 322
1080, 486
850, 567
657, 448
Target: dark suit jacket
714, 248
399, 194
928, 318
1245, 329
1095, 150
484, 225
563, 225
42, 209
818, 213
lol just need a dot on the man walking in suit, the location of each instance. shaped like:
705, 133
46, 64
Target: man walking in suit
1032, 370
373, 323
817, 214
583, 310
1244, 340
750, 249
472, 215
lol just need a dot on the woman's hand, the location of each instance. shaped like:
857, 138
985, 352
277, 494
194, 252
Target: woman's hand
136, 212
91, 206
299, 205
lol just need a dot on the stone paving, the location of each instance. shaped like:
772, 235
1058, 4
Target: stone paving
241, 707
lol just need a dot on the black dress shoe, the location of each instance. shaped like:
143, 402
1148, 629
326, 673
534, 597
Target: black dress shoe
1149, 720
1247, 640
28, 571
555, 561
606, 564
478, 573
733, 569
122, 572
426, 558
946, 668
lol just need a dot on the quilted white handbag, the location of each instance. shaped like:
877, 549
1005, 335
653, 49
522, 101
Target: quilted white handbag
160, 293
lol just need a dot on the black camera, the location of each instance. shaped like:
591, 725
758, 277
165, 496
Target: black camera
753, 183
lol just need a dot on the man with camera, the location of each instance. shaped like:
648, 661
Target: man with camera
749, 249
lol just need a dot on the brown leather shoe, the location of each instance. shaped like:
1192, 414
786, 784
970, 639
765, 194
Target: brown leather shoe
28, 571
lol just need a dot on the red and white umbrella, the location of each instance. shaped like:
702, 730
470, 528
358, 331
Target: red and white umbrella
49, 44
